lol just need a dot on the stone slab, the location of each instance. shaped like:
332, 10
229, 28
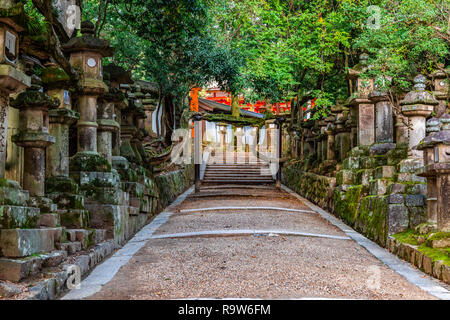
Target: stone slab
26, 242
12, 217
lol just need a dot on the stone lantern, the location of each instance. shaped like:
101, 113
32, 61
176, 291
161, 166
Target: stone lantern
150, 105
436, 148
223, 129
118, 78
359, 101
56, 84
139, 122
322, 141
331, 155
12, 80
441, 87
128, 130
34, 136
417, 106
86, 53
384, 119
433, 126
108, 127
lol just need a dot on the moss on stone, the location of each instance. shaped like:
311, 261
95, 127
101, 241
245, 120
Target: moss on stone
61, 184
439, 236
89, 162
395, 156
54, 75
406, 237
436, 254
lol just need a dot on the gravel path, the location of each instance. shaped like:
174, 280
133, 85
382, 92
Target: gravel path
254, 266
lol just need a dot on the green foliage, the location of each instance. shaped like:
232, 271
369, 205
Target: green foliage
272, 50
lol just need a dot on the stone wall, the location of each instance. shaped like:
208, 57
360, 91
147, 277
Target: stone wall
373, 194
172, 184
318, 189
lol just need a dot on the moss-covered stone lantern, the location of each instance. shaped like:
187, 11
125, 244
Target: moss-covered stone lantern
56, 84
86, 54
128, 130
118, 78
34, 136
417, 106
436, 148
12, 80
108, 127
139, 122
384, 118
360, 102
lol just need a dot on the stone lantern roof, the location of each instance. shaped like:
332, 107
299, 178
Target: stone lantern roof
419, 95
118, 74
88, 42
55, 77
33, 97
114, 95
440, 137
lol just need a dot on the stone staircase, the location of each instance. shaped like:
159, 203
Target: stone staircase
240, 168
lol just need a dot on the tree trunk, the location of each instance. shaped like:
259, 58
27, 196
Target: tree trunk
169, 119
235, 111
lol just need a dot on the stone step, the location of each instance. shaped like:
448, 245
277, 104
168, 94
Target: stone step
237, 177
18, 243
238, 169
228, 181
71, 247
49, 220
87, 238
46, 205
99, 178
11, 194
113, 196
74, 219
12, 217
113, 219
67, 200
15, 270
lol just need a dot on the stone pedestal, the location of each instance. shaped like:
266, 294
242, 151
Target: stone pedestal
417, 106
384, 129
363, 108
33, 136
365, 121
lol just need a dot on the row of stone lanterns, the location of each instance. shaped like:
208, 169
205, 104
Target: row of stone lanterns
373, 113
